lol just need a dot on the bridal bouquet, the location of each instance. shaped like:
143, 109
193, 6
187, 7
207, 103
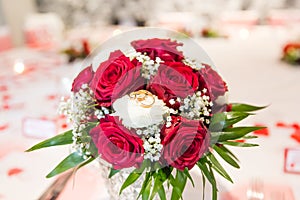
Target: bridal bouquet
156, 112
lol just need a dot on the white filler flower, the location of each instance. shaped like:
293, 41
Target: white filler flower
140, 109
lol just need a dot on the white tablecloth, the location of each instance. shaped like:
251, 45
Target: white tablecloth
251, 67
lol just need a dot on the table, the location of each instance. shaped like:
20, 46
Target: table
251, 67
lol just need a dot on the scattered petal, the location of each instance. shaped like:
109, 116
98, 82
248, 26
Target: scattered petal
296, 135
3, 88
281, 124
6, 97
14, 171
264, 131
3, 127
241, 141
52, 97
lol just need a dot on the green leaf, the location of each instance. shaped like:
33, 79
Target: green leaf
218, 167
233, 133
239, 144
173, 183
248, 137
162, 193
220, 121
203, 185
61, 139
145, 183
179, 184
113, 172
87, 161
226, 150
146, 193
245, 107
69, 162
226, 157
133, 176
208, 173
214, 186
158, 183
159, 178
187, 173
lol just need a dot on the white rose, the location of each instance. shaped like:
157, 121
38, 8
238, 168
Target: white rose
135, 115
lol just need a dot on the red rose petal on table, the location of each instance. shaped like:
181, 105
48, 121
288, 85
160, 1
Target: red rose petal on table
242, 141
6, 97
281, 124
296, 125
64, 126
3, 127
51, 97
3, 88
5, 107
296, 135
264, 131
14, 171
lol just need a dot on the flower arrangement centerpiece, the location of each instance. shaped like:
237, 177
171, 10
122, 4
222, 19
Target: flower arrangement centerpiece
291, 53
155, 112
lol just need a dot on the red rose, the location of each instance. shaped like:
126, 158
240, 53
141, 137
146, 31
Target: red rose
174, 79
163, 48
210, 79
184, 142
116, 144
84, 77
114, 78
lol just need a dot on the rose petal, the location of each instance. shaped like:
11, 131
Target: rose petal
264, 131
296, 136
3, 127
6, 97
14, 171
281, 124
52, 97
3, 88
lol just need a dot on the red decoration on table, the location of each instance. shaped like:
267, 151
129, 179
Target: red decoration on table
6, 97
3, 127
52, 97
291, 53
296, 134
74, 53
264, 131
3, 88
14, 171
291, 160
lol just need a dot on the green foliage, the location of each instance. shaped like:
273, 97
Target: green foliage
61, 139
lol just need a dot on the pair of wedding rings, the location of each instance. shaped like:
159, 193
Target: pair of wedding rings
143, 98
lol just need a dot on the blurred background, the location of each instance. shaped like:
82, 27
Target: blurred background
254, 44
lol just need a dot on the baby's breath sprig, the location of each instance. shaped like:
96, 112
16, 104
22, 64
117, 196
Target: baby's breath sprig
80, 109
152, 142
192, 63
197, 107
149, 67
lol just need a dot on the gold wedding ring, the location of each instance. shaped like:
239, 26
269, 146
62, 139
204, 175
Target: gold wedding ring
143, 98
